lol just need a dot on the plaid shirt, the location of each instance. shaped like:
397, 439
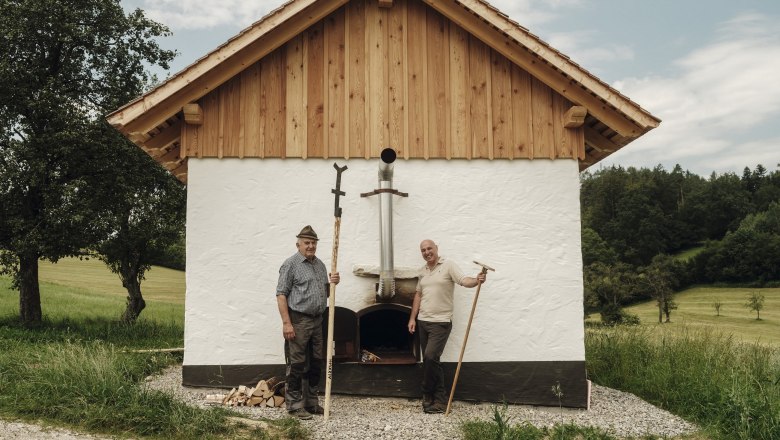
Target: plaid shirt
304, 283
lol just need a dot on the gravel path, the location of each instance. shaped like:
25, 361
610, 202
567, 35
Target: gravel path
20, 430
621, 414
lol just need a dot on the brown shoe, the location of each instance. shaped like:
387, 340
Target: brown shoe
316, 410
300, 413
435, 408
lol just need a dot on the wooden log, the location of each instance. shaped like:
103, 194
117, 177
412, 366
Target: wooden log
270, 402
256, 401
228, 396
215, 399
278, 401
261, 387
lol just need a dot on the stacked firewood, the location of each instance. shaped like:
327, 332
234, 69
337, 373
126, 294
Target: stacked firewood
267, 393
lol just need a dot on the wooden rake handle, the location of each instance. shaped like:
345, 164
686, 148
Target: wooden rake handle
465, 339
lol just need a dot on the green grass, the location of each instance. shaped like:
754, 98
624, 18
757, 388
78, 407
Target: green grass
696, 310
730, 388
501, 428
76, 289
161, 285
72, 369
688, 253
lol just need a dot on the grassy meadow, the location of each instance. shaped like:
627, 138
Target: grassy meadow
696, 310
85, 289
77, 359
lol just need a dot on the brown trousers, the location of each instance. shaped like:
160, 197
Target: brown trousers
304, 361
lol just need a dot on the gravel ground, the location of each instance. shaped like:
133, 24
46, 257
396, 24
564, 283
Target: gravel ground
621, 414
352, 417
20, 430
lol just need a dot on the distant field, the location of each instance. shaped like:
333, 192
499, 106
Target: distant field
76, 289
689, 253
695, 309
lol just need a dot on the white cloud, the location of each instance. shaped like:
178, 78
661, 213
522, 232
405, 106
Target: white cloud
206, 14
584, 49
724, 94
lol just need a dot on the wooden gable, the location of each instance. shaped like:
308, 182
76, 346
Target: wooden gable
430, 78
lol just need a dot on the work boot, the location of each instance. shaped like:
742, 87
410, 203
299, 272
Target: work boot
316, 410
427, 401
435, 408
300, 413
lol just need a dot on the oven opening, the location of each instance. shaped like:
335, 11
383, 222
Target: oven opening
384, 336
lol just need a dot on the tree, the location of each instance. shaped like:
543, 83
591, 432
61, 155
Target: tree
595, 249
751, 254
755, 302
145, 217
609, 286
717, 304
661, 279
62, 66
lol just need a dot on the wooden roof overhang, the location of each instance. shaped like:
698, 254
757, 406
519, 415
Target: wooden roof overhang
154, 121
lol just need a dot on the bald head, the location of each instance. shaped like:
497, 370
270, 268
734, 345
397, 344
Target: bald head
430, 252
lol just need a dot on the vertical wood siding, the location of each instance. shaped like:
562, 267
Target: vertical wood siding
366, 78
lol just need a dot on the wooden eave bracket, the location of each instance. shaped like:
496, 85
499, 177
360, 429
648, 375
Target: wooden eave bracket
193, 114
575, 116
385, 3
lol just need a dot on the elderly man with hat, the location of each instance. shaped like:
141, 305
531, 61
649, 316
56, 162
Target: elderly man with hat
302, 294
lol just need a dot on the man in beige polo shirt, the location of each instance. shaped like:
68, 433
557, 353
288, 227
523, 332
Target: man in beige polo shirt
432, 314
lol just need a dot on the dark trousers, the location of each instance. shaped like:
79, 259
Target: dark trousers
303, 355
433, 338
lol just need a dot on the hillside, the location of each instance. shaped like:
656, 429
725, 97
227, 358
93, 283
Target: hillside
695, 309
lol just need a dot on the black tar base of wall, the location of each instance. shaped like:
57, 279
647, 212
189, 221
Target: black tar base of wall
529, 383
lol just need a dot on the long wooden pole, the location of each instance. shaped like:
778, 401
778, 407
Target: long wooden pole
332, 296
331, 318
463, 347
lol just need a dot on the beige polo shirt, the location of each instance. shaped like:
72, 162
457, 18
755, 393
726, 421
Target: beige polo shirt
436, 289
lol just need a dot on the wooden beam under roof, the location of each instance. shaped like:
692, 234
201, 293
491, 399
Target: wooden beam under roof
180, 172
222, 64
166, 137
546, 64
599, 142
171, 155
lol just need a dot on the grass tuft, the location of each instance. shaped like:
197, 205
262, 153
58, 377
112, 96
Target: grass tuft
731, 389
500, 428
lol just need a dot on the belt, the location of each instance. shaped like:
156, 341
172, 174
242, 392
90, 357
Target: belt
309, 315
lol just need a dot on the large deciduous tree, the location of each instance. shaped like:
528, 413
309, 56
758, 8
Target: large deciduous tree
63, 65
145, 216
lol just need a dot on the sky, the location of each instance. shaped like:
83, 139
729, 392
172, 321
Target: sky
704, 68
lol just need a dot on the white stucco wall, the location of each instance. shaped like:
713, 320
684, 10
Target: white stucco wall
521, 217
